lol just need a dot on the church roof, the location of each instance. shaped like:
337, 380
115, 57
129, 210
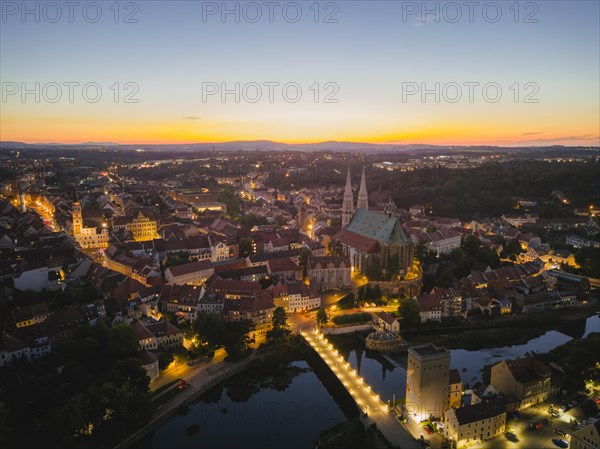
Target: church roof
377, 226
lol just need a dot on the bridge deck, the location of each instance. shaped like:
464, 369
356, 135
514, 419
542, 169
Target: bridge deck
367, 400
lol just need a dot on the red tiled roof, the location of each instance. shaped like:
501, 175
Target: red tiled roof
192, 267
349, 238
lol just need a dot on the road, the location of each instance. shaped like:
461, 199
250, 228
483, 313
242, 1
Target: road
367, 400
182, 370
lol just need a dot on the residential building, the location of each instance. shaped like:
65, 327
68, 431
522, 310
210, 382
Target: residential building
194, 273
524, 382
519, 220
586, 437
329, 272
387, 322
155, 335
28, 316
284, 269
442, 241
182, 300
37, 276
430, 307
295, 297
476, 422
12, 349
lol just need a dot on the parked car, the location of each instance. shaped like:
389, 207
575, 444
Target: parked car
560, 432
555, 414
560, 442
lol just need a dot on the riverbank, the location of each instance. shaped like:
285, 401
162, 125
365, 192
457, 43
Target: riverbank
199, 383
273, 403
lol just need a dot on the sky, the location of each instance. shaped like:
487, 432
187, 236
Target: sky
446, 73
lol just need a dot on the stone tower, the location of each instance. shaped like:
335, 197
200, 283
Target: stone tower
77, 218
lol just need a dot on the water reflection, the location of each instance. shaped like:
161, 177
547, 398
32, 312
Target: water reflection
286, 409
388, 379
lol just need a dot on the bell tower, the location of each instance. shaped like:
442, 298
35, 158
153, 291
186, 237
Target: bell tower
77, 218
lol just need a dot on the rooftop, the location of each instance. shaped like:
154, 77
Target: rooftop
429, 350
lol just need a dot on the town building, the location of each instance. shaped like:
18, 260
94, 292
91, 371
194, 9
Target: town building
31, 315
329, 272
295, 297
442, 241
476, 422
430, 307
181, 300
157, 335
194, 273
586, 437
455, 389
580, 242
524, 382
387, 322
141, 227
88, 237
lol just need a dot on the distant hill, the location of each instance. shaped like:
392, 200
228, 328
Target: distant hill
269, 145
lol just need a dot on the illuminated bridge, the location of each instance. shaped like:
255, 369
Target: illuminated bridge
367, 400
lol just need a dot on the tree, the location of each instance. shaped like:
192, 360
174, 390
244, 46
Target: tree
348, 301
251, 220
445, 278
236, 336
245, 244
130, 371
280, 331
322, 317
229, 197
209, 328
305, 253
409, 310
122, 342
279, 318
280, 221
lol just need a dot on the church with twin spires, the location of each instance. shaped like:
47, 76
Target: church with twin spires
372, 237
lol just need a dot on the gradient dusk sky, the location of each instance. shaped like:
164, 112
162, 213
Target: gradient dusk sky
367, 55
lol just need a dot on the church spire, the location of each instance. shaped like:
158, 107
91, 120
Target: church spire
363, 197
348, 203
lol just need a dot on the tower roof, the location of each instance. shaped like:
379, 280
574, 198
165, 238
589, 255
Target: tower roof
363, 182
348, 189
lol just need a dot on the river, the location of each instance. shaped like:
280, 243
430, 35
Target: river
291, 408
